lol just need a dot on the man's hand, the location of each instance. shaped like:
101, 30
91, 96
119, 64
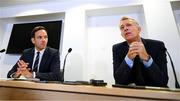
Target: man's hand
23, 70
22, 64
137, 48
17, 74
26, 73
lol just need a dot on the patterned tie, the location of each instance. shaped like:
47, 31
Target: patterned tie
36, 62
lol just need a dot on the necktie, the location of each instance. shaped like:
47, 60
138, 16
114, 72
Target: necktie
137, 69
36, 62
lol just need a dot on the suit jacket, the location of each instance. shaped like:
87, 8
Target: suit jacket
49, 68
155, 75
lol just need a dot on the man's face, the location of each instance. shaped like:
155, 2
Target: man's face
130, 31
40, 40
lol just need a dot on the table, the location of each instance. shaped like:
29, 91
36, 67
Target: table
27, 90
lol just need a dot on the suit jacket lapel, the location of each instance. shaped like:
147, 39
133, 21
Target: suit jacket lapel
43, 60
145, 43
31, 55
147, 47
126, 48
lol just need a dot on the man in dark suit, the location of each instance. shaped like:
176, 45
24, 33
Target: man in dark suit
40, 62
139, 61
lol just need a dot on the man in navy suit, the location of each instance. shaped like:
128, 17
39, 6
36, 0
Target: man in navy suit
139, 61
40, 62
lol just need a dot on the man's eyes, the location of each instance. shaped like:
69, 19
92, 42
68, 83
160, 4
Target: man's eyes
40, 37
122, 27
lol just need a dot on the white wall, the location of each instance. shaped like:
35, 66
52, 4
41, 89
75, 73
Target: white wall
161, 25
90, 29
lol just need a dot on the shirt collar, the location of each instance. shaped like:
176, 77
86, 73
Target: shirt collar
41, 52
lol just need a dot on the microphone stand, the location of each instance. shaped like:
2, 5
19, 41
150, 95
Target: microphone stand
62, 78
175, 77
1, 51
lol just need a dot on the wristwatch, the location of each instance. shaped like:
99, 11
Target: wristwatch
149, 57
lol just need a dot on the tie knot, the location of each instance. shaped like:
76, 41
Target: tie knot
38, 53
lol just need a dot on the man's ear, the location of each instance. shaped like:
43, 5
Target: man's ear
32, 40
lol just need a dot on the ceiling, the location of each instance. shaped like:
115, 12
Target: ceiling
7, 3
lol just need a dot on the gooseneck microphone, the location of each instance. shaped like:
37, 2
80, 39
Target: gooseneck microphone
62, 76
175, 77
2, 50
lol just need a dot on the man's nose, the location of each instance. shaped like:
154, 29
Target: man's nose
125, 28
43, 39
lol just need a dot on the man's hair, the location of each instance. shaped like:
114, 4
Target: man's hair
37, 28
128, 18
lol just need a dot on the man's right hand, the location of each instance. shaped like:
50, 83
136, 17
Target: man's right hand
17, 74
22, 66
132, 51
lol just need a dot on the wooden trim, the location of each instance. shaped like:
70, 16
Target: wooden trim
21, 89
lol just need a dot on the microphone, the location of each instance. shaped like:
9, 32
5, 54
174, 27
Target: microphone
3, 50
62, 78
175, 77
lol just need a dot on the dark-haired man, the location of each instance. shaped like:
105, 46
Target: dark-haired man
40, 62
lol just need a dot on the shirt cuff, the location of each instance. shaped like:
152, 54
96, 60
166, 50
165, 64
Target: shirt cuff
34, 74
129, 61
148, 63
13, 75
